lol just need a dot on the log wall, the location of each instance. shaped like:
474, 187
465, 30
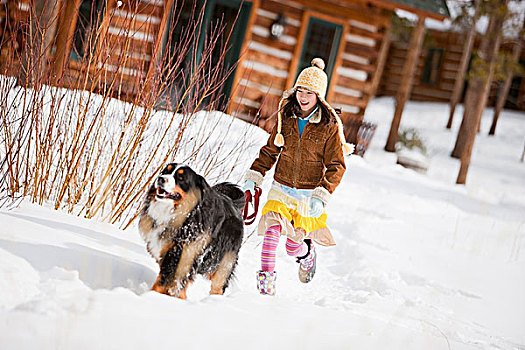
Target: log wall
129, 30
268, 66
452, 45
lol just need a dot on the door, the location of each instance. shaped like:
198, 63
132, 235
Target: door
322, 40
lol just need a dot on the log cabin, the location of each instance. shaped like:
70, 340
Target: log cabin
269, 43
437, 68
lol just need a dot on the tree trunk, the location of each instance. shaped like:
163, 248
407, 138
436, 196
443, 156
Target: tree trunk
502, 97
42, 24
65, 32
478, 89
465, 58
409, 70
523, 153
381, 61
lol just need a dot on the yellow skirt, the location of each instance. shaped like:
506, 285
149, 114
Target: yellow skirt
292, 214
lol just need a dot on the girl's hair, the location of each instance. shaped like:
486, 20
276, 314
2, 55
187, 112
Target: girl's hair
291, 107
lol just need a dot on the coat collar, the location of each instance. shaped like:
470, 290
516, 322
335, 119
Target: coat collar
316, 118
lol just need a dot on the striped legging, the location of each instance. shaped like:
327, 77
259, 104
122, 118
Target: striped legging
270, 243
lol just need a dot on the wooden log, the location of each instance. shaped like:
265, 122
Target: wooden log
274, 44
406, 85
282, 7
369, 68
380, 62
64, 38
338, 61
264, 58
502, 97
267, 22
250, 93
465, 59
43, 23
365, 33
294, 64
157, 45
354, 84
264, 78
360, 102
523, 153
477, 91
136, 23
367, 15
148, 9
361, 50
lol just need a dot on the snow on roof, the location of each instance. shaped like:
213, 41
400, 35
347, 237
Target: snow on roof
511, 28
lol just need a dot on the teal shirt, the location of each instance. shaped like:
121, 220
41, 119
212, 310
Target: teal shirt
301, 122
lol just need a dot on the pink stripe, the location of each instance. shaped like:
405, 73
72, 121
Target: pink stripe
296, 249
270, 243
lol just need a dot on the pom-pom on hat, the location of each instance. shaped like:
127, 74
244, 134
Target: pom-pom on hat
314, 79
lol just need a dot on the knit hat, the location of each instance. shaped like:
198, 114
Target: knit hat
314, 79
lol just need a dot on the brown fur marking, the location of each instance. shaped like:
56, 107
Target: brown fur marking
182, 294
219, 277
159, 289
188, 203
165, 248
190, 252
145, 225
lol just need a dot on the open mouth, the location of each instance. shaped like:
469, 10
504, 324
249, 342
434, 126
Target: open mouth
304, 104
162, 194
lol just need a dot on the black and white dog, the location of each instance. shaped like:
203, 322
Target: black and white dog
192, 228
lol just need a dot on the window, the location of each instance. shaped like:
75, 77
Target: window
322, 40
88, 13
432, 66
188, 17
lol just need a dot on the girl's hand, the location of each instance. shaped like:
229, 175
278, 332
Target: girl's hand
316, 207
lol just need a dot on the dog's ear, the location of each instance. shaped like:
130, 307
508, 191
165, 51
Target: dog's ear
202, 183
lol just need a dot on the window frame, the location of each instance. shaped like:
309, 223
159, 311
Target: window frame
294, 65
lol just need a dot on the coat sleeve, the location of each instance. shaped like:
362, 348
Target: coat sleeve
267, 156
335, 167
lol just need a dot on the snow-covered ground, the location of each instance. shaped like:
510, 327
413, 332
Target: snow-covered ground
420, 263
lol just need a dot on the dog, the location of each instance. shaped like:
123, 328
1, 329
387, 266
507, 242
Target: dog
192, 228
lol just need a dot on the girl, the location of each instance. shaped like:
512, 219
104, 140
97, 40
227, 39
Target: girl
308, 145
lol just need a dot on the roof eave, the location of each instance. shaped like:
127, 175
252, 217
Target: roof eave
419, 12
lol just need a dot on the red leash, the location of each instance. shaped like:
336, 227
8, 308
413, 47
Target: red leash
249, 219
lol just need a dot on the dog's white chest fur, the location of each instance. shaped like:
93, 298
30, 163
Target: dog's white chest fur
161, 212
155, 242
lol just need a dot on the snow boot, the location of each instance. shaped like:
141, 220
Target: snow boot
266, 282
307, 263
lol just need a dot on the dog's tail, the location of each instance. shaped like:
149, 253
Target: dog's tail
232, 191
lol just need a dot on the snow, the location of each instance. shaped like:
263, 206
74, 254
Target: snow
511, 27
420, 263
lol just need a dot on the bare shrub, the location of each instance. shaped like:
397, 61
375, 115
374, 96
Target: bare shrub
82, 150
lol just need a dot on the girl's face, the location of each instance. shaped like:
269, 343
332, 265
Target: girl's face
307, 100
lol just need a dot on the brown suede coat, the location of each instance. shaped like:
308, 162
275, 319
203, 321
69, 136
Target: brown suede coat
313, 160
